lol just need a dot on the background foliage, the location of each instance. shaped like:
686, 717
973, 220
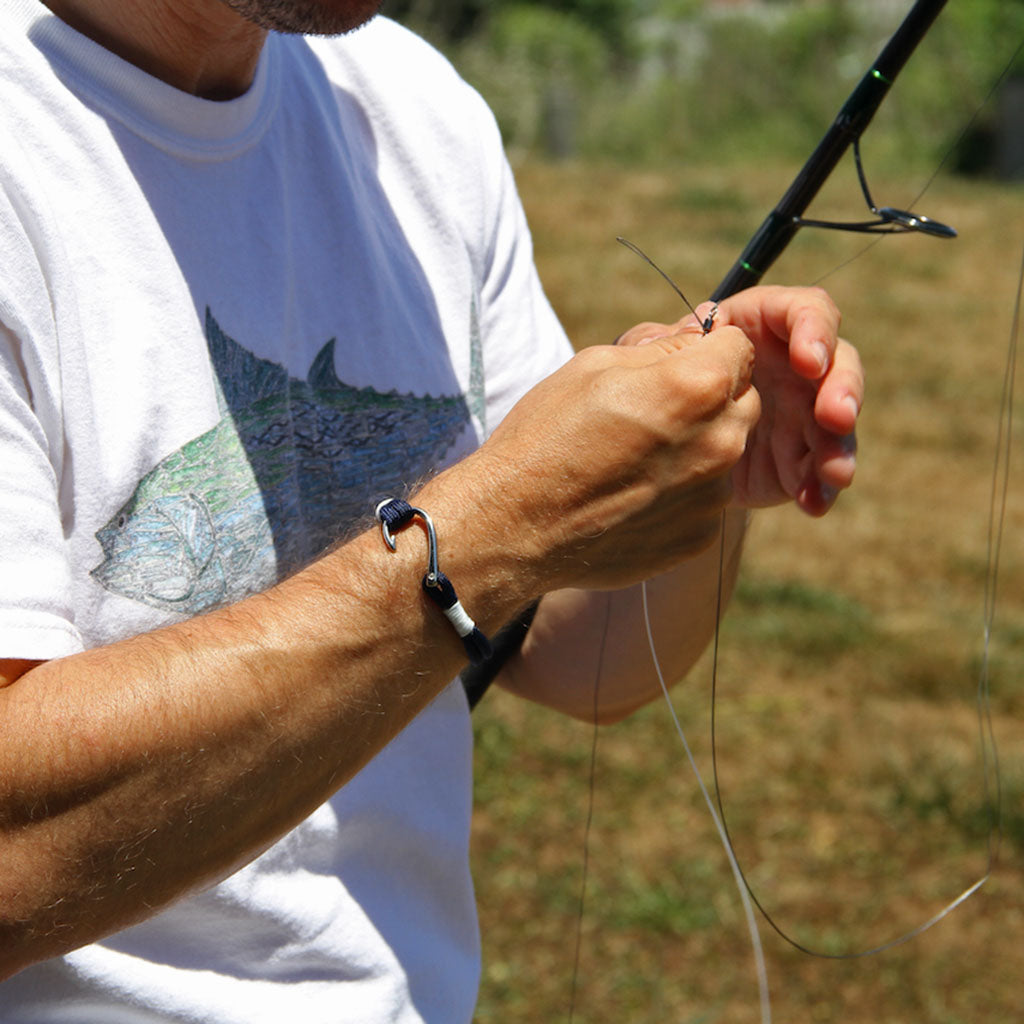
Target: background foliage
846, 718
845, 712
653, 80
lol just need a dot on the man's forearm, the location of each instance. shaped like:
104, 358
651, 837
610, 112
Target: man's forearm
578, 636
134, 773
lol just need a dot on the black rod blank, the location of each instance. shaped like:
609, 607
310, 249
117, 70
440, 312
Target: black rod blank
779, 227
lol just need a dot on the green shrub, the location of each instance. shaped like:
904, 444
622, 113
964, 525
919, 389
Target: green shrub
646, 81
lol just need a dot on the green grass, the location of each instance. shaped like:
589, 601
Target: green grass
847, 735
810, 623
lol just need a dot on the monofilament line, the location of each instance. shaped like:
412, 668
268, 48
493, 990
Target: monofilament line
591, 794
705, 324
991, 781
741, 886
989, 751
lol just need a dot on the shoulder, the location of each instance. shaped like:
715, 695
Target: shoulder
404, 82
386, 52
431, 134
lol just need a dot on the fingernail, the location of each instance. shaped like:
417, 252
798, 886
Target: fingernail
820, 352
852, 404
817, 498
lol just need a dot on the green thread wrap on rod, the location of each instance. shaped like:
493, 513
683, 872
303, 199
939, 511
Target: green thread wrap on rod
764, 248
778, 229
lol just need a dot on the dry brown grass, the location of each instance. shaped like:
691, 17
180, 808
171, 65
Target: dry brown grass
847, 729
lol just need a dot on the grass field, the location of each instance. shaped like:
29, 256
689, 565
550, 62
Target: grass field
846, 708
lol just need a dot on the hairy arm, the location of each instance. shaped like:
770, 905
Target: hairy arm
587, 653
132, 774
586, 644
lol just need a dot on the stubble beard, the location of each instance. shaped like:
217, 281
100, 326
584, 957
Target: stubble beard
312, 17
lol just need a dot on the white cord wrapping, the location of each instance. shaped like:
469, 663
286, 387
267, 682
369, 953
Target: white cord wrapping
459, 618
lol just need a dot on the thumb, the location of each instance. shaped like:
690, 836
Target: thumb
645, 333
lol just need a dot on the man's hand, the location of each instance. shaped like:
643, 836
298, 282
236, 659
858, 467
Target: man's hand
618, 466
808, 386
811, 387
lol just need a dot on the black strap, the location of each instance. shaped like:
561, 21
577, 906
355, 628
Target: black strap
506, 642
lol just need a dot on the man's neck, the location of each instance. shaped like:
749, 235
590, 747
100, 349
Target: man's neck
200, 46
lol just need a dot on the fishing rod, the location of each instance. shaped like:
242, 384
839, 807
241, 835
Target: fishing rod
782, 224
775, 233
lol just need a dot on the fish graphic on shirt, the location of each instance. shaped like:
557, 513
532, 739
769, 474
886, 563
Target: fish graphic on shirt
290, 465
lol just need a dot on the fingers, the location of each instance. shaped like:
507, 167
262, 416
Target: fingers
644, 333
785, 343
810, 429
711, 370
841, 394
727, 349
812, 321
830, 469
836, 408
836, 462
805, 318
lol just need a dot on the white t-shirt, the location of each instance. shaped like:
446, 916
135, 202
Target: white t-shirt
226, 330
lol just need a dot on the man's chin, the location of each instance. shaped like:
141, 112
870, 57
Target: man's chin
307, 17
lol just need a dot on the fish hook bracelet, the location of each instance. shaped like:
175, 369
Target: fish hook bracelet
392, 513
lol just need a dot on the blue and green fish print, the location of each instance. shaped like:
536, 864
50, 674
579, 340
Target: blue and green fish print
289, 468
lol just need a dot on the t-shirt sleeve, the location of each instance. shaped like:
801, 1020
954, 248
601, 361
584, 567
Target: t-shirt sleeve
36, 608
443, 155
523, 339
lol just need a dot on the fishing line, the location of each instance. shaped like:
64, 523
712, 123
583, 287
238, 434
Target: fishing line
991, 776
988, 747
706, 325
989, 750
997, 508
592, 789
708, 322
746, 897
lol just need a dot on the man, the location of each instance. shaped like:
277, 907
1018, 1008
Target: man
253, 284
